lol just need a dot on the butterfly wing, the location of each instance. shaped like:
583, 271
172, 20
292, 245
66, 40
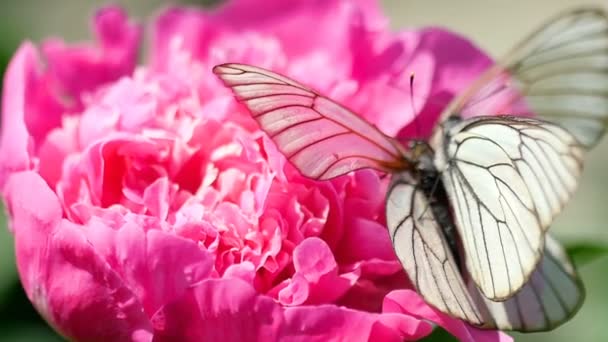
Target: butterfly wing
506, 178
559, 72
424, 253
499, 178
321, 138
551, 297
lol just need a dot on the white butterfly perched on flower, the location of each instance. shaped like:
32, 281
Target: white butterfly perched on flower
468, 210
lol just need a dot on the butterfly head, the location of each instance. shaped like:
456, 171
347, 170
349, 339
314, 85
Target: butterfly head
420, 154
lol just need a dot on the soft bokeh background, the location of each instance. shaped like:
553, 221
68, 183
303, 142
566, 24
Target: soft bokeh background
495, 26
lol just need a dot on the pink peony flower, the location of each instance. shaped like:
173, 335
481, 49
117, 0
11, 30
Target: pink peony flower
147, 205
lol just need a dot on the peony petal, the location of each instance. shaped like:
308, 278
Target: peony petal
333, 323
410, 303
144, 259
244, 271
80, 68
157, 198
96, 123
366, 239
457, 63
314, 259
219, 310
57, 146
36, 211
28, 111
315, 263
296, 291
135, 104
70, 285
15, 154
199, 29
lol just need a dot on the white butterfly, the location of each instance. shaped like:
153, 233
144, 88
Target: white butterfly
468, 211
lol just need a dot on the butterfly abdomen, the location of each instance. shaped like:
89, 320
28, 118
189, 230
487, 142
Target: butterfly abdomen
432, 186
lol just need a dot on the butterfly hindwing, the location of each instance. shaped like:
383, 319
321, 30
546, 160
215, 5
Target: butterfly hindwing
318, 136
552, 295
563, 70
423, 250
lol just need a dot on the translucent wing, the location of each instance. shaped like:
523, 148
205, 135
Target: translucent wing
552, 295
317, 135
560, 72
506, 178
424, 253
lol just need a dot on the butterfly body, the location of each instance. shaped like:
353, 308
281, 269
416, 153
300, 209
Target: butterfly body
431, 186
424, 172
468, 210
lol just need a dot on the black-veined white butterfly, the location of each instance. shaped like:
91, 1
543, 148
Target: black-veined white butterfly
468, 211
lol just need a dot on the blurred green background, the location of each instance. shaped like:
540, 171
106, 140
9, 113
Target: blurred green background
494, 25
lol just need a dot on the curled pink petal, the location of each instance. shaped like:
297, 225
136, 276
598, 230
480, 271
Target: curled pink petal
62, 274
76, 69
341, 324
21, 102
315, 265
409, 302
142, 257
200, 30
219, 310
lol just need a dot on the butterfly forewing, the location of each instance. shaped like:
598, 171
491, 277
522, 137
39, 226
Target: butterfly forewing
320, 137
560, 73
506, 178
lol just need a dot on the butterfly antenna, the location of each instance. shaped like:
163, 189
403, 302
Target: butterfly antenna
413, 107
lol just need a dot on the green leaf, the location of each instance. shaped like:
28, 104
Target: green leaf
8, 270
583, 253
439, 335
8, 45
27, 332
